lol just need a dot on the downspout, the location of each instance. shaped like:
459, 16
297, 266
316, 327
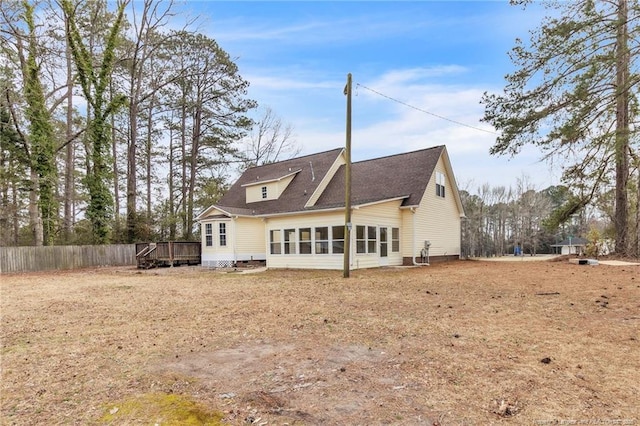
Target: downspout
235, 240
413, 252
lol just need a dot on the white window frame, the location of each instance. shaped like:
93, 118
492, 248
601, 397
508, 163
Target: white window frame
222, 234
275, 244
208, 234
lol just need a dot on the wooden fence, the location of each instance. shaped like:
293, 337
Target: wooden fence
31, 259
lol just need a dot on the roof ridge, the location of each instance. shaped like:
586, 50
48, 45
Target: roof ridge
295, 158
399, 154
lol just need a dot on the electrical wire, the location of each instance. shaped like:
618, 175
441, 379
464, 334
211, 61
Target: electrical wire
424, 111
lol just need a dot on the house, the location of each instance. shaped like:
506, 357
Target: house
405, 210
571, 245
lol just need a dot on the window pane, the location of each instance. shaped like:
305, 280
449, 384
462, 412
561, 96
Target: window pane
305, 247
209, 239
322, 247
322, 233
371, 232
360, 232
395, 233
337, 232
305, 234
371, 246
383, 234
208, 229
361, 246
337, 247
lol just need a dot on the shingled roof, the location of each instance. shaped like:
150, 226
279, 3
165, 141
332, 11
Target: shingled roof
397, 176
312, 168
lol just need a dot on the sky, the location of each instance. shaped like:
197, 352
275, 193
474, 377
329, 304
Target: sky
412, 63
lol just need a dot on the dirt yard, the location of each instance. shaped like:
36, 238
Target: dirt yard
462, 343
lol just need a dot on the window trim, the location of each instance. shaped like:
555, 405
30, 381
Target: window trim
321, 243
333, 240
290, 241
275, 244
395, 240
306, 243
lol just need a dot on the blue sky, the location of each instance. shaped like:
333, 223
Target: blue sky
439, 57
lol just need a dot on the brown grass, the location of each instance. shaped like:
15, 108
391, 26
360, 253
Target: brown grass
450, 344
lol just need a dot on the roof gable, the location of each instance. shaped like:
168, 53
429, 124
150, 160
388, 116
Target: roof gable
308, 172
401, 175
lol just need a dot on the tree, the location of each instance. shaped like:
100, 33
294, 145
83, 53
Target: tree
211, 105
270, 140
95, 87
571, 96
43, 146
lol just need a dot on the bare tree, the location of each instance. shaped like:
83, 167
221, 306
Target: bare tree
270, 140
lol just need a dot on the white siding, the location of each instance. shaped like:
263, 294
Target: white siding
253, 192
245, 241
437, 220
249, 239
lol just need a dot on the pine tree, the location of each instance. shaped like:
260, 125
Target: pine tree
572, 96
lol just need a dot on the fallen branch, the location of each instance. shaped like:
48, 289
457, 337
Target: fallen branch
552, 293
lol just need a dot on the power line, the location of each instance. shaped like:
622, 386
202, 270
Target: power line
424, 111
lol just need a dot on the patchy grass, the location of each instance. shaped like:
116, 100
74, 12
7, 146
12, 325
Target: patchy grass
457, 343
160, 408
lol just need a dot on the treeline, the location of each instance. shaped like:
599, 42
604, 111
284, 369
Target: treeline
500, 218
114, 125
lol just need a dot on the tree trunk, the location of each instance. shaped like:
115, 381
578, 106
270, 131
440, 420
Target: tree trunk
70, 152
622, 130
34, 212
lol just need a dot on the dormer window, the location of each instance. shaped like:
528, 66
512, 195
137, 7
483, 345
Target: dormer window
264, 192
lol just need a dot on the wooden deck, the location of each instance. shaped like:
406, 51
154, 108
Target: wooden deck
170, 253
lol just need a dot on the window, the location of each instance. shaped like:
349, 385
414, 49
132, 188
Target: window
439, 184
395, 240
264, 192
322, 240
289, 241
371, 239
208, 234
222, 232
361, 240
383, 242
304, 240
337, 239
275, 241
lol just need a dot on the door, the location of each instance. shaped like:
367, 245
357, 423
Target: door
384, 246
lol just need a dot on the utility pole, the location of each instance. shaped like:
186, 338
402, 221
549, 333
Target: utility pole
347, 184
